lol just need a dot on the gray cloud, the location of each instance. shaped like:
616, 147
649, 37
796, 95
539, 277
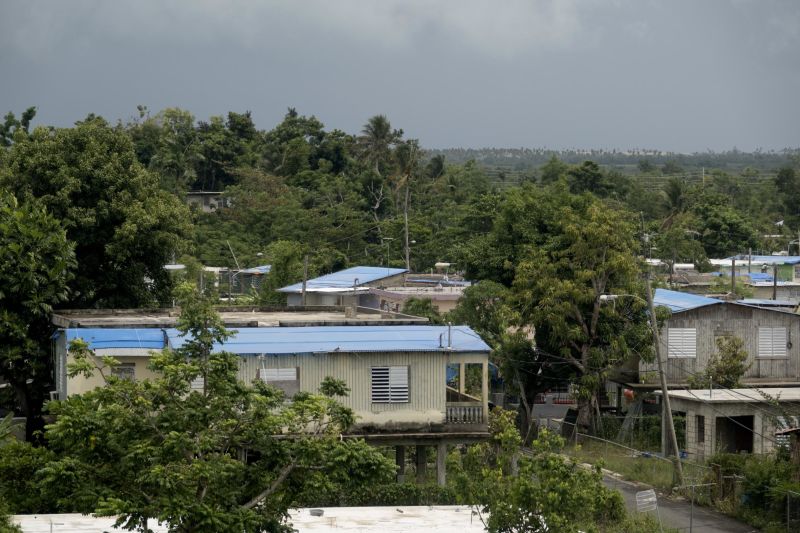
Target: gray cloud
677, 75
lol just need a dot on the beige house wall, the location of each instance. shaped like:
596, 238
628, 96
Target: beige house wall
81, 384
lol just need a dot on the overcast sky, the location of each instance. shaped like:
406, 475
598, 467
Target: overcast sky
674, 75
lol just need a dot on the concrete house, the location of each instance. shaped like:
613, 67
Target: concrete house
345, 287
733, 420
688, 338
207, 201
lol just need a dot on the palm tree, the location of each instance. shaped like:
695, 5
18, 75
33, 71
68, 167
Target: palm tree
377, 139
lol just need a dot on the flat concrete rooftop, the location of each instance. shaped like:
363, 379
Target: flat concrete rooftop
234, 317
783, 394
443, 519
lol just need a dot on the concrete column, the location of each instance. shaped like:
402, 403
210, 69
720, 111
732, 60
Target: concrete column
422, 462
400, 460
462, 378
441, 456
759, 445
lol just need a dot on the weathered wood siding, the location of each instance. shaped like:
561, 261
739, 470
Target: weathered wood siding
737, 320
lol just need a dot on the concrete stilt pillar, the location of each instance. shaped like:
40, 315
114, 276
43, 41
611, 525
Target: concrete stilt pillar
400, 460
422, 462
441, 456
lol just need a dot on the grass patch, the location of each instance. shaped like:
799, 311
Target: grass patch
650, 470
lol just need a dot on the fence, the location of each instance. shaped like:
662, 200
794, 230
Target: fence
708, 485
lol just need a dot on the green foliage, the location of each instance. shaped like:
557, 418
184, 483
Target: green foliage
726, 368
88, 178
549, 491
20, 486
36, 266
483, 307
230, 456
423, 307
286, 258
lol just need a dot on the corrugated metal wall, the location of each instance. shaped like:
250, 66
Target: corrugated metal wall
426, 376
740, 321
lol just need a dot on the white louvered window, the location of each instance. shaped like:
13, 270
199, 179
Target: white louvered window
285, 379
772, 342
277, 374
682, 342
390, 384
197, 383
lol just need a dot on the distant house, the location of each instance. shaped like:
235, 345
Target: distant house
345, 287
249, 280
207, 201
688, 339
733, 420
444, 298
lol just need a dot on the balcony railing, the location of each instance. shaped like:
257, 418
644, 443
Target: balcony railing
465, 413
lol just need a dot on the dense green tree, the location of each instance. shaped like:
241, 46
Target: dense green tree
553, 170
125, 228
36, 266
723, 230
377, 140
12, 125
286, 258
587, 252
228, 457
587, 177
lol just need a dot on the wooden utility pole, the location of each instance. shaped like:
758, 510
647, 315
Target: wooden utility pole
670, 424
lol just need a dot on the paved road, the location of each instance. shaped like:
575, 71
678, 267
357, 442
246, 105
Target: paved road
675, 513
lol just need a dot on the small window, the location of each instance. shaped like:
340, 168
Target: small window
390, 384
682, 342
285, 379
772, 342
701, 429
124, 371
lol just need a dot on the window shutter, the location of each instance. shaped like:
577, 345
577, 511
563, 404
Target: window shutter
277, 374
682, 342
390, 384
197, 383
772, 342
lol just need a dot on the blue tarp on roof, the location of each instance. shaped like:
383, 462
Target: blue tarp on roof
328, 339
759, 276
345, 279
681, 301
99, 338
263, 269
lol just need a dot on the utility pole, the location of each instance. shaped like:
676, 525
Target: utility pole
664, 391
733, 278
775, 281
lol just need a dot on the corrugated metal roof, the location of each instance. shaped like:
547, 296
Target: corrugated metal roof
765, 259
346, 278
100, 338
763, 302
681, 301
263, 269
327, 339
785, 394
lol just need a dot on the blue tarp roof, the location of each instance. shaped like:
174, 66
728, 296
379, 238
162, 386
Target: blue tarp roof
769, 259
759, 276
263, 269
345, 279
681, 301
99, 338
326, 339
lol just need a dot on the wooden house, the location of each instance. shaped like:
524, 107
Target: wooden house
688, 339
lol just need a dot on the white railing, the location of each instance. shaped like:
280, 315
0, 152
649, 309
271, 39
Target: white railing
464, 413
